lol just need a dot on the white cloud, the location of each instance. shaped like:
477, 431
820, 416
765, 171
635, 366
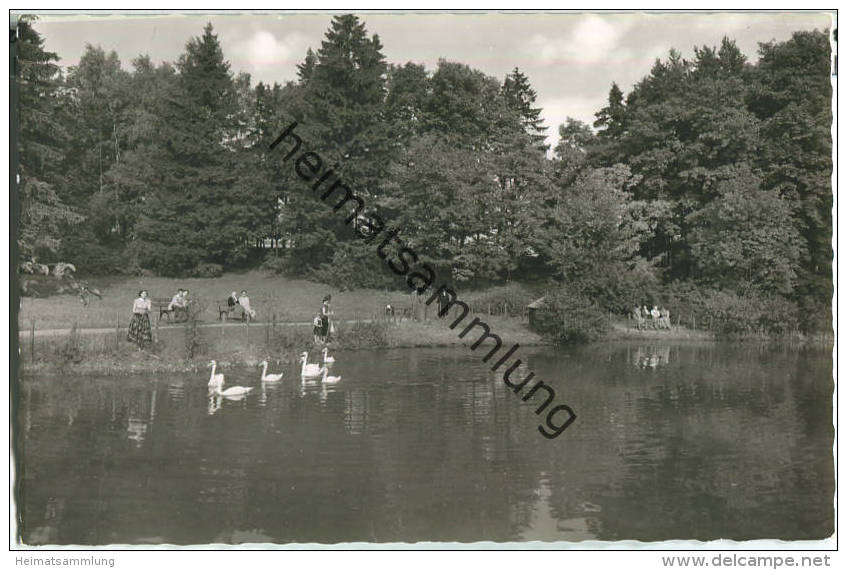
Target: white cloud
261, 53
557, 110
592, 40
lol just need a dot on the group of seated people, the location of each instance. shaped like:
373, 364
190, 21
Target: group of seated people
179, 303
653, 318
242, 301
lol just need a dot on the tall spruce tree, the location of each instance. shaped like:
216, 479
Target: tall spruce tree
521, 97
339, 105
45, 211
200, 207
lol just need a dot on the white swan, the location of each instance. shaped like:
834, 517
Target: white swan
269, 377
329, 379
215, 380
327, 358
308, 370
233, 392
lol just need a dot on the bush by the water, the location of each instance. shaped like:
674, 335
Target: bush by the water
510, 300
362, 335
71, 351
731, 314
569, 318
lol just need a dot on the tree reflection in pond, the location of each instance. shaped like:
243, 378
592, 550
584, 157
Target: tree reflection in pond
716, 442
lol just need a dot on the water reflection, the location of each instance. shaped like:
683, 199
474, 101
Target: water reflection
651, 356
137, 425
215, 403
733, 442
137, 430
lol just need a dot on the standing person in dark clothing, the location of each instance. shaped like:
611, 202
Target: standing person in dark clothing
443, 304
139, 330
326, 311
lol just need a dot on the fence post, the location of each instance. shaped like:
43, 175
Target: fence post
32, 343
157, 331
117, 331
267, 334
694, 317
248, 332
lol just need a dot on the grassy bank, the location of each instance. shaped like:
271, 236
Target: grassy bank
622, 330
292, 300
187, 348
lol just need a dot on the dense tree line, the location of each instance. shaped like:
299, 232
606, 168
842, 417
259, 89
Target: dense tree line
711, 175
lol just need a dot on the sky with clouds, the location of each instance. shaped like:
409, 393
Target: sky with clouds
570, 59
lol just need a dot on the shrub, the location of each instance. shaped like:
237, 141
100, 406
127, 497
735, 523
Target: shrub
363, 335
207, 270
355, 266
633, 286
731, 314
169, 261
570, 318
276, 265
92, 258
512, 298
291, 340
71, 351
814, 316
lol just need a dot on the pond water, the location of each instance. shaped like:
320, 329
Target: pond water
688, 441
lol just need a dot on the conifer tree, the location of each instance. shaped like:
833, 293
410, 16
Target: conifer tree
521, 97
339, 106
43, 137
201, 207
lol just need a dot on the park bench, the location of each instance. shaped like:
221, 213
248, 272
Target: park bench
162, 304
225, 312
398, 313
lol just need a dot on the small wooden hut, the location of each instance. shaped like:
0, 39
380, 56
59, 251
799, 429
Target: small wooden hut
532, 311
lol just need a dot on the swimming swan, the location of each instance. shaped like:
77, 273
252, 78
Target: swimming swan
216, 384
330, 379
215, 380
269, 377
327, 359
308, 370
233, 392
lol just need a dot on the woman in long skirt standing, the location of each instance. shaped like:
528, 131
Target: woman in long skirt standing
139, 327
326, 313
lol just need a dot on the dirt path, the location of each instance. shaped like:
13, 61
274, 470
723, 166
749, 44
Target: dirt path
64, 332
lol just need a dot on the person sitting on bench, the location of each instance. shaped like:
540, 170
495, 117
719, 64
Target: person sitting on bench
177, 301
244, 301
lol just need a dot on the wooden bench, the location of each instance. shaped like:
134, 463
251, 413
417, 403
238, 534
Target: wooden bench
225, 311
397, 313
162, 304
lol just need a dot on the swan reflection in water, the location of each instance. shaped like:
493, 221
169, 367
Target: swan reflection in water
651, 356
317, 387
137, 430
215, 402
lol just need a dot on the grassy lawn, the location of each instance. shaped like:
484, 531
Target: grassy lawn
111, 353
292, 300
